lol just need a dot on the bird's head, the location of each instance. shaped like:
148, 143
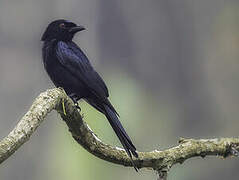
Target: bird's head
61, 30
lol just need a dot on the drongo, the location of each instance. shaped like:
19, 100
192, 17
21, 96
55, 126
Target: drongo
69, 68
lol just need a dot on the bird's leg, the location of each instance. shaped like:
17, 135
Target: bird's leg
77, 105
75, 99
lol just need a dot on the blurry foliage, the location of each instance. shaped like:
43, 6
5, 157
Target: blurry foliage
171, 68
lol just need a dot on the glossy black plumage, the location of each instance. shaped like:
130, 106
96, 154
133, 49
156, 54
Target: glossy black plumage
68, 67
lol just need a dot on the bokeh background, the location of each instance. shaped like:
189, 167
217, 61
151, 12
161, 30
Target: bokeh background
172, 69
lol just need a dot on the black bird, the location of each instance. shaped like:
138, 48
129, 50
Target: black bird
69, 68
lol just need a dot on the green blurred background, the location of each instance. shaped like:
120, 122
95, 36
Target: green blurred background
172, 69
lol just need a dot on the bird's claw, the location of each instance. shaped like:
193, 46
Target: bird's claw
77, 106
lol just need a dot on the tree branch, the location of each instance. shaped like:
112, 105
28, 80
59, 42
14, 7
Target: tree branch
160, 161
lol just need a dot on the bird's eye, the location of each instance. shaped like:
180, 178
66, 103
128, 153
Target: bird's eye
62, 25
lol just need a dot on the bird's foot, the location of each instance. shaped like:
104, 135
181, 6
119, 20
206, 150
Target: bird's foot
75, 99
77, 106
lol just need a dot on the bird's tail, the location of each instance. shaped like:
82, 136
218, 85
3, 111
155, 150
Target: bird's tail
120, 132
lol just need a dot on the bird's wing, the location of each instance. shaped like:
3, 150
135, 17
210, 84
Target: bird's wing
76, 62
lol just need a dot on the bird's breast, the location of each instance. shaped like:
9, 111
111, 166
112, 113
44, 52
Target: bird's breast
61, 77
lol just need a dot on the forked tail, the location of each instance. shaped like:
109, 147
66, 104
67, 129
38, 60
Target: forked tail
120, 132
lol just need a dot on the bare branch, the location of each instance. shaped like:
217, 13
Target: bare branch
161, 161
43, 105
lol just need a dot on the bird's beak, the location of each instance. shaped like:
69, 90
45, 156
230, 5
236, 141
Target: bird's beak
76, 29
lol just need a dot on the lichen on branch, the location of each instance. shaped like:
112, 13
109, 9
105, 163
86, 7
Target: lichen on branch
159, 160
